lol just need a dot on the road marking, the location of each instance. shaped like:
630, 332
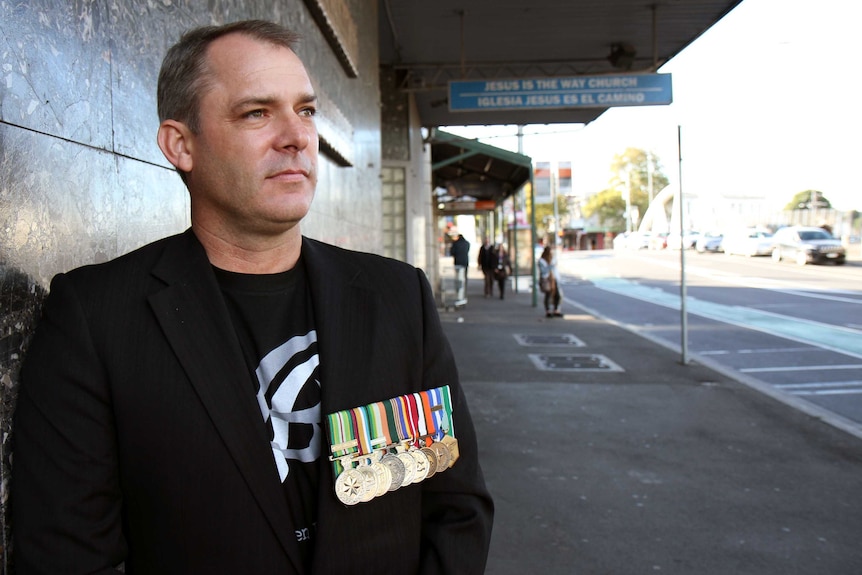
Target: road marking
824, 336
755, 351
800, 368
823, 388
830, 392
819, 384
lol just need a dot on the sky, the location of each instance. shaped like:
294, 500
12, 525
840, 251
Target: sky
765, 105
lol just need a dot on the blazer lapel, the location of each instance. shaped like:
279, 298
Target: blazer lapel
343, 304
196, 322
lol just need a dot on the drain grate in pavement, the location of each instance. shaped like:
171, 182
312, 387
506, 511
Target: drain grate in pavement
573, 362
562, 340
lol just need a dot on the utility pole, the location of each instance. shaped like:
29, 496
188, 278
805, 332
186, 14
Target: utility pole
649, 168
555, 183
628, 196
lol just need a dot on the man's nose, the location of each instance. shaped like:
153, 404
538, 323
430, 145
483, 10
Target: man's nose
294, 131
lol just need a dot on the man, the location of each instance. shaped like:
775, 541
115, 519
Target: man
460, 251
488, 263
174, 401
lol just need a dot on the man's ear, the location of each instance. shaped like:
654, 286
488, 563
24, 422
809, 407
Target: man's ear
176, 142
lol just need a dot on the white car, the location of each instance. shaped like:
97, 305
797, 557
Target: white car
748, 242
687, 242
638, 240
709, 242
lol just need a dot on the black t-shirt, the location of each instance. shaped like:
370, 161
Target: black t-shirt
273, 319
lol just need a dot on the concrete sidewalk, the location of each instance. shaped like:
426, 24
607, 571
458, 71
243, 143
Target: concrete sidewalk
638, 464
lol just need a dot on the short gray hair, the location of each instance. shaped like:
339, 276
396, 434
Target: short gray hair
184, 75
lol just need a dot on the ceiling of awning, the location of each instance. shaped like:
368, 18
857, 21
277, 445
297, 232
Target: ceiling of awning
470, 174
432, 42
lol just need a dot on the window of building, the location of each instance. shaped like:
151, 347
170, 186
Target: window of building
394, 216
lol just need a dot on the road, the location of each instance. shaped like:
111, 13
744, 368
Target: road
794, 332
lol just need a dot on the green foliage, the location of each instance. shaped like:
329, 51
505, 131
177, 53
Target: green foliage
633, 167
630, 172
546, 211
609, 206
808, 200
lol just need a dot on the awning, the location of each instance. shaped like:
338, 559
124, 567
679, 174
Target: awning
472, 176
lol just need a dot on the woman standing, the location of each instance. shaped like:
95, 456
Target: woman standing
548, 282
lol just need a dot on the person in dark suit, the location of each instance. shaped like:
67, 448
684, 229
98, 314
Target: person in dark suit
460, 251
488, 263
503, 268
461, 256
176, 404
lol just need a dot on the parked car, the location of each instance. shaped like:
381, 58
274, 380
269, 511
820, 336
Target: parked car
688, 241
807, 245
709, 242
620, 240
638, 240
747, 242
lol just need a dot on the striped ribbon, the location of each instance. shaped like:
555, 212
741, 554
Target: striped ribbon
417, 419
341, 434
360, 426
447, 424
432, 402
379, 426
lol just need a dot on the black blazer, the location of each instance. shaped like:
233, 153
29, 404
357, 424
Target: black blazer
138, 439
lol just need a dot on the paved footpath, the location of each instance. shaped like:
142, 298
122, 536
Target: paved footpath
638, 464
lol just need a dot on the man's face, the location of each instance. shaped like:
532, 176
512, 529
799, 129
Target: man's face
254, 160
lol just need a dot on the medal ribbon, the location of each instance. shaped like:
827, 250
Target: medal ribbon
377, 425
341, 434
448, 425
391, 421
412, 417
360, 422
421, 425
400, 418
432, 416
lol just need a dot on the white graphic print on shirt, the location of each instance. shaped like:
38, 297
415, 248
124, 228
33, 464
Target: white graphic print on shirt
281, 411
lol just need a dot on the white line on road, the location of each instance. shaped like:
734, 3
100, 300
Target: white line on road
754, 351
823, 388
800, 368
830, 392
819, 384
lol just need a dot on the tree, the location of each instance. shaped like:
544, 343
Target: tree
545, 212
630, 175
634, 166
808, 200
609, 207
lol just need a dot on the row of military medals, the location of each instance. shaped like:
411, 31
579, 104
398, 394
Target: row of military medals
391, 444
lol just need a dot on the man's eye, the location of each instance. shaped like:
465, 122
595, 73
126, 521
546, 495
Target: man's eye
254, 114
308, 112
